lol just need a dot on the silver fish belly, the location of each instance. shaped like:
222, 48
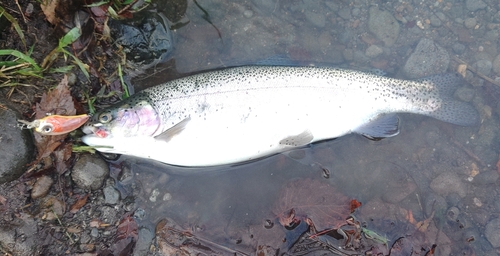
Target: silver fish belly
243, 113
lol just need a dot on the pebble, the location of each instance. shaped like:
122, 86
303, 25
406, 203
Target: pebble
111, 195
373, 51
248, 13
496, 65
474, 5
89, 172
486, 177
452, 213
435, 21
427, 59
470, 23
41, 187
491, 232
458, 48
383, 25
17, 148
465, 93
483, 66
317, 19
447, 183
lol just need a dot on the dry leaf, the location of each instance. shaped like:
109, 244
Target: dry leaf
126, 236
58, 102
79, 204
49, 9
316, 200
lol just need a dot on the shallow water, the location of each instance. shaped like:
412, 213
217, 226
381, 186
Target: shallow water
409, 185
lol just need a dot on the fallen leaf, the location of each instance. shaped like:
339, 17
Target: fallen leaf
355, 204
58, 102
126, 236
316, 200
79, 204
49, 8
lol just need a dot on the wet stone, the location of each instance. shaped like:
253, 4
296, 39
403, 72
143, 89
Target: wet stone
474, 5
383, 25
373, 51
470, 23
17, 145
41, 187
111, 195
458, 48
427, 59
465, 93
317, 19
483, 66
486, 177
496, 65
447, 183
89, 172
491, 232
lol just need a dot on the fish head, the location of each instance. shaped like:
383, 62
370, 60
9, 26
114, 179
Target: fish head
134, 117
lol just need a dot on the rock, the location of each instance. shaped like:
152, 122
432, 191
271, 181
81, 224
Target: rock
486, 177
373, 51
465, 93
19, 239
111, 195
435, 21
146, 40
496, 65
474, 5
483, 66
470, 23
491, 232
317, 19
17, 145
447, 183
89, 172
383, 25
41, 187
427, 59
458, 48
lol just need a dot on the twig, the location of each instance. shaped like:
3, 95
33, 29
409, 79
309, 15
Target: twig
476, 72
128, 6
468, 152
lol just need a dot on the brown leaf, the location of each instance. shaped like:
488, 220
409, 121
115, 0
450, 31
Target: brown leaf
48, 8
355, 204
79, 204
61, 157
58, 102
316, 200
126, 236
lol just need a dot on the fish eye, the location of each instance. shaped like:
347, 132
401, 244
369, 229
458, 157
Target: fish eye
105, 118
47, 128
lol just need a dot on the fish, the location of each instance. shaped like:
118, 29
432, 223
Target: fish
240, 114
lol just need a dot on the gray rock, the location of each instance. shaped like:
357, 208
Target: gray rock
470, 23
373, 51
383, 25
486, 177
19, 239
496, 65
89, 172
483, 66
435, 21
345, 13
17, 145
111, 195
427, 59
491, 232
465, 93
474, 5
316, 18
41, 187
458, 48
447, 183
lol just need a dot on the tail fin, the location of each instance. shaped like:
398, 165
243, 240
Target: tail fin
451, 110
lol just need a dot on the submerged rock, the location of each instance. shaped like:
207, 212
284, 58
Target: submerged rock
89, 172
427, 59
17, 145
383, 25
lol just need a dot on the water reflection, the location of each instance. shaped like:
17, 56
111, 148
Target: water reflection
414, 188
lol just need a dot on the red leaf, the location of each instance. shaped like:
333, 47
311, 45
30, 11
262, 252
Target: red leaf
355, 204
314, 199
126, 236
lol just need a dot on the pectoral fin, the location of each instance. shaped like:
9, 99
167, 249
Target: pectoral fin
383, 126
298, 140
173, 131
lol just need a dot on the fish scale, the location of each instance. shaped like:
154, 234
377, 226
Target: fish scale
244, 113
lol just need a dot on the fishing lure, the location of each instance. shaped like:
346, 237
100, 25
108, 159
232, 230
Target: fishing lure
55, 124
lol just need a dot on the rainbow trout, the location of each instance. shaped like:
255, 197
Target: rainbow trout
244, 113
